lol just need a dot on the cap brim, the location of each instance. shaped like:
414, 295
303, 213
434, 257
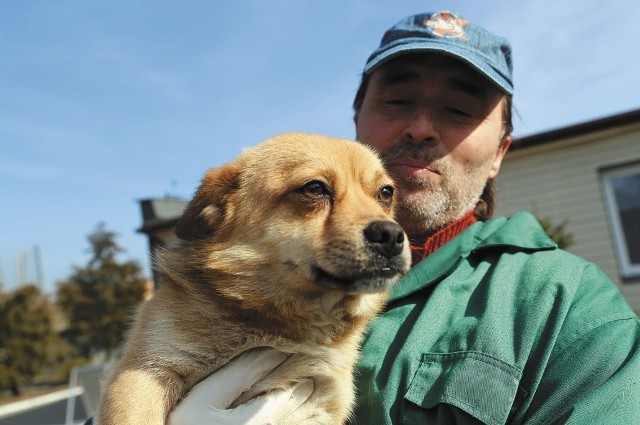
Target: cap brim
472, 59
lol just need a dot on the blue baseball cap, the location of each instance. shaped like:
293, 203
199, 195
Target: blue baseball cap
449, 34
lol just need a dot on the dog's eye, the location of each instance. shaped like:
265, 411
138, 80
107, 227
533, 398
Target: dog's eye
315, 189
385, 195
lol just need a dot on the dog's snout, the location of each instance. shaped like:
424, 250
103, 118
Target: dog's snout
387, 237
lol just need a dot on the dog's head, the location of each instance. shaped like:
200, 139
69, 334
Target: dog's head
310, 212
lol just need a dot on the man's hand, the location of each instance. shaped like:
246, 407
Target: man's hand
207, 403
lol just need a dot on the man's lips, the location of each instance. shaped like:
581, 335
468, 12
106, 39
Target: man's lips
411, 167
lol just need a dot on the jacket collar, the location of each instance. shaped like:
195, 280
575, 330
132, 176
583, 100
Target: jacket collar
520, 232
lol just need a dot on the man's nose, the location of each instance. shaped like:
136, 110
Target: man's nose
421, 126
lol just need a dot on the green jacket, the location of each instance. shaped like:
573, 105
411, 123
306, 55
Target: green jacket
500, 326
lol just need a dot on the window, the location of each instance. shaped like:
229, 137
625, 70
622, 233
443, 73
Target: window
622, 196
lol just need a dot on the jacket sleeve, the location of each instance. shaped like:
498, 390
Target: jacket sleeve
594, 373
596, 380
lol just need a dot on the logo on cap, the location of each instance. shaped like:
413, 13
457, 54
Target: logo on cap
446, 24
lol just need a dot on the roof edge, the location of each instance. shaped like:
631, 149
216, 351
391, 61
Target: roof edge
575, 130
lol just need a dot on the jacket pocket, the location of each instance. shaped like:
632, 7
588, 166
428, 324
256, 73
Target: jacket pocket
479, 384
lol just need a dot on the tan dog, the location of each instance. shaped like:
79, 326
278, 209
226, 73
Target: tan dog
290, 246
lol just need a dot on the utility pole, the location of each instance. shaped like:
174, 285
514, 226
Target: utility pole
21, 267
2, 282
38, 264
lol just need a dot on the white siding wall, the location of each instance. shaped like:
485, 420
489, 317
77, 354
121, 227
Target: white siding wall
561, 181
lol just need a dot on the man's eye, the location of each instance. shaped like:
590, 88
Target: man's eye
385, 195
315, 189
398, 102
459, 112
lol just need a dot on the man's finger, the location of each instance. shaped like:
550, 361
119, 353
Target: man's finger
273, 407
244, 371
225, 385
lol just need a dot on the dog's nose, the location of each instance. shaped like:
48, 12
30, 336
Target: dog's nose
386, 237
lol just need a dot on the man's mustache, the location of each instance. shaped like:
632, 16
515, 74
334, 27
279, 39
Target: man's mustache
406, 150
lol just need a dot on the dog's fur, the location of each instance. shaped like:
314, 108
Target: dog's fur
277, 250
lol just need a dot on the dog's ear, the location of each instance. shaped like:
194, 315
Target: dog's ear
207, 208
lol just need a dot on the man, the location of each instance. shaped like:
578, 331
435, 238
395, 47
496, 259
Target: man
494, 324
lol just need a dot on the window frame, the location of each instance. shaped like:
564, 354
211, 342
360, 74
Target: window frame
626, 268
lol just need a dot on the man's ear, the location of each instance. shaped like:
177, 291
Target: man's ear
207, 208
502, 151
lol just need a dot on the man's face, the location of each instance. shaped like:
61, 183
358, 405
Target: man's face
438, 125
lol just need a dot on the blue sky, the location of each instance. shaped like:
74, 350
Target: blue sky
106, 103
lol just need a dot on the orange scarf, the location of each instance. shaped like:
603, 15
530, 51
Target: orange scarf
441, 237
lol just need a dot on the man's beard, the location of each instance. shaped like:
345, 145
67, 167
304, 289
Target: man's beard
430, 204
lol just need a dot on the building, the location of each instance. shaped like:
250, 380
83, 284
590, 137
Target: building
587, 175
159, 216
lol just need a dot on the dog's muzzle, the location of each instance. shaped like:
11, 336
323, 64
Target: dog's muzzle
385, 241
